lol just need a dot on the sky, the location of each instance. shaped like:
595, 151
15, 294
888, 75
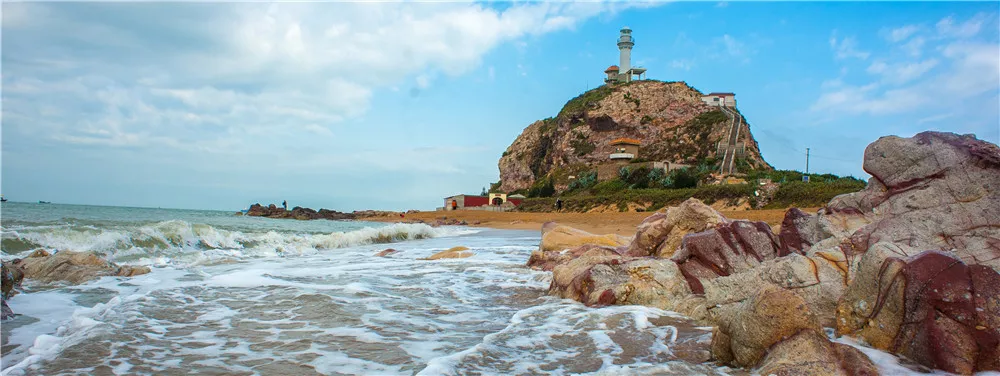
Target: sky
393, 105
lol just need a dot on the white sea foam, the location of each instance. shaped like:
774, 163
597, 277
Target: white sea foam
179, 242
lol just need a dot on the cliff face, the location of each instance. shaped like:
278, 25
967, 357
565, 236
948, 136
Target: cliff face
669, 118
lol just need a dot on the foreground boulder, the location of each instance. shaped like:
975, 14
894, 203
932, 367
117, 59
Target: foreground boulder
548, 260
775, 330
557, 238
928, 306
932, 191
661, 234
599, 279
73, 267
11, 277
909, 265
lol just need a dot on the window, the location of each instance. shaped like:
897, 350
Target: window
715, 99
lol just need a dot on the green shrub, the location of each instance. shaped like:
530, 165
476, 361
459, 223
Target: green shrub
582, 147
542, 188
582, 182
583, 101
812, 194
646, 119
608, 187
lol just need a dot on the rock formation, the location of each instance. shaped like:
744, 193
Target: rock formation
909, 265
669, 118
63, 266
300, 213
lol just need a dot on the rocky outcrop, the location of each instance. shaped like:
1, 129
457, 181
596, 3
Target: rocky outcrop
934, 191
73, 267
660, 234
300, 213
556, 238
669, 118
62, 266
775, 331
10, 277
909, 265
928, 306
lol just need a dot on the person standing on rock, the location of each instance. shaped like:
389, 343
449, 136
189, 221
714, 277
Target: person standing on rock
284, 204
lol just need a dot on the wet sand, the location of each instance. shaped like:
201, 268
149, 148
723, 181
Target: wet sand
598, 223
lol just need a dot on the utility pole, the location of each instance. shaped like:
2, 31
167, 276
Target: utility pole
807, 161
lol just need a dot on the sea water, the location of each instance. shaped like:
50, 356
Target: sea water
233, 295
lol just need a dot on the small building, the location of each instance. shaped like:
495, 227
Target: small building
460, 202
624, 149
612, 73
720, 99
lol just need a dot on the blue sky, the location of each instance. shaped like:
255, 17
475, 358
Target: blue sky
394, 105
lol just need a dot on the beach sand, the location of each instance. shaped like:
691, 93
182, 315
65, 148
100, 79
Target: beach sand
598, 223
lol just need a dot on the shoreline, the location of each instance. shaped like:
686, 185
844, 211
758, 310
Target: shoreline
621, 223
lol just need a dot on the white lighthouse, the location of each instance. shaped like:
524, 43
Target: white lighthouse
624, 72
625, 44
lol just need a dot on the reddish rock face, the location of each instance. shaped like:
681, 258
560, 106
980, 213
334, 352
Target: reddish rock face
930, 307
728, 248
943, 325
794, 236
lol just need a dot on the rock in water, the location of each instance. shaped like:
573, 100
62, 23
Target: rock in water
74, 267
557, 238
453, 252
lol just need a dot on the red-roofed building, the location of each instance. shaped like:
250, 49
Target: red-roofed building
720, 99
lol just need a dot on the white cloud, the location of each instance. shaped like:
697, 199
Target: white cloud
846, 48
683, 64
958, 72
245, 68
492, 73
901, 73
901, 33
733, 48
948, 28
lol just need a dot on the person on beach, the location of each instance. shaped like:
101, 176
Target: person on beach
284, 204
558, 204
454, 205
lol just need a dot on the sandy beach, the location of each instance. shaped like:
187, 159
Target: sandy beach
598, 223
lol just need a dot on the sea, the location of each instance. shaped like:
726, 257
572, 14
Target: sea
236, 295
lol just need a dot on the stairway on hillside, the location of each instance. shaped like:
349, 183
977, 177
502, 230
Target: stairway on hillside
731, 146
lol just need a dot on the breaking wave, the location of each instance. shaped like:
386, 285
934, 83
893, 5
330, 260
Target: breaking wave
178, 241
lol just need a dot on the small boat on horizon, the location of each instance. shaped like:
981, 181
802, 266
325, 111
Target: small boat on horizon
3, 199
43, 202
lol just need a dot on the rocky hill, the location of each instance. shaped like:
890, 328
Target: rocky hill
669, 118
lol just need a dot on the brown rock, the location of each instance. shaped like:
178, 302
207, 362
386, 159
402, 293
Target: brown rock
661, 234
454, 252
932, 191
726, 249
598, 279
809, 353
548, 260
756, 324
557, 238
660, 114
927, 306
386, 252
74, 267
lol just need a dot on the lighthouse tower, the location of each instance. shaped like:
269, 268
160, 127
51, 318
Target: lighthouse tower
625, 43
624, 71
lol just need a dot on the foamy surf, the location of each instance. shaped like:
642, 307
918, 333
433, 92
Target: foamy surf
186, 243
